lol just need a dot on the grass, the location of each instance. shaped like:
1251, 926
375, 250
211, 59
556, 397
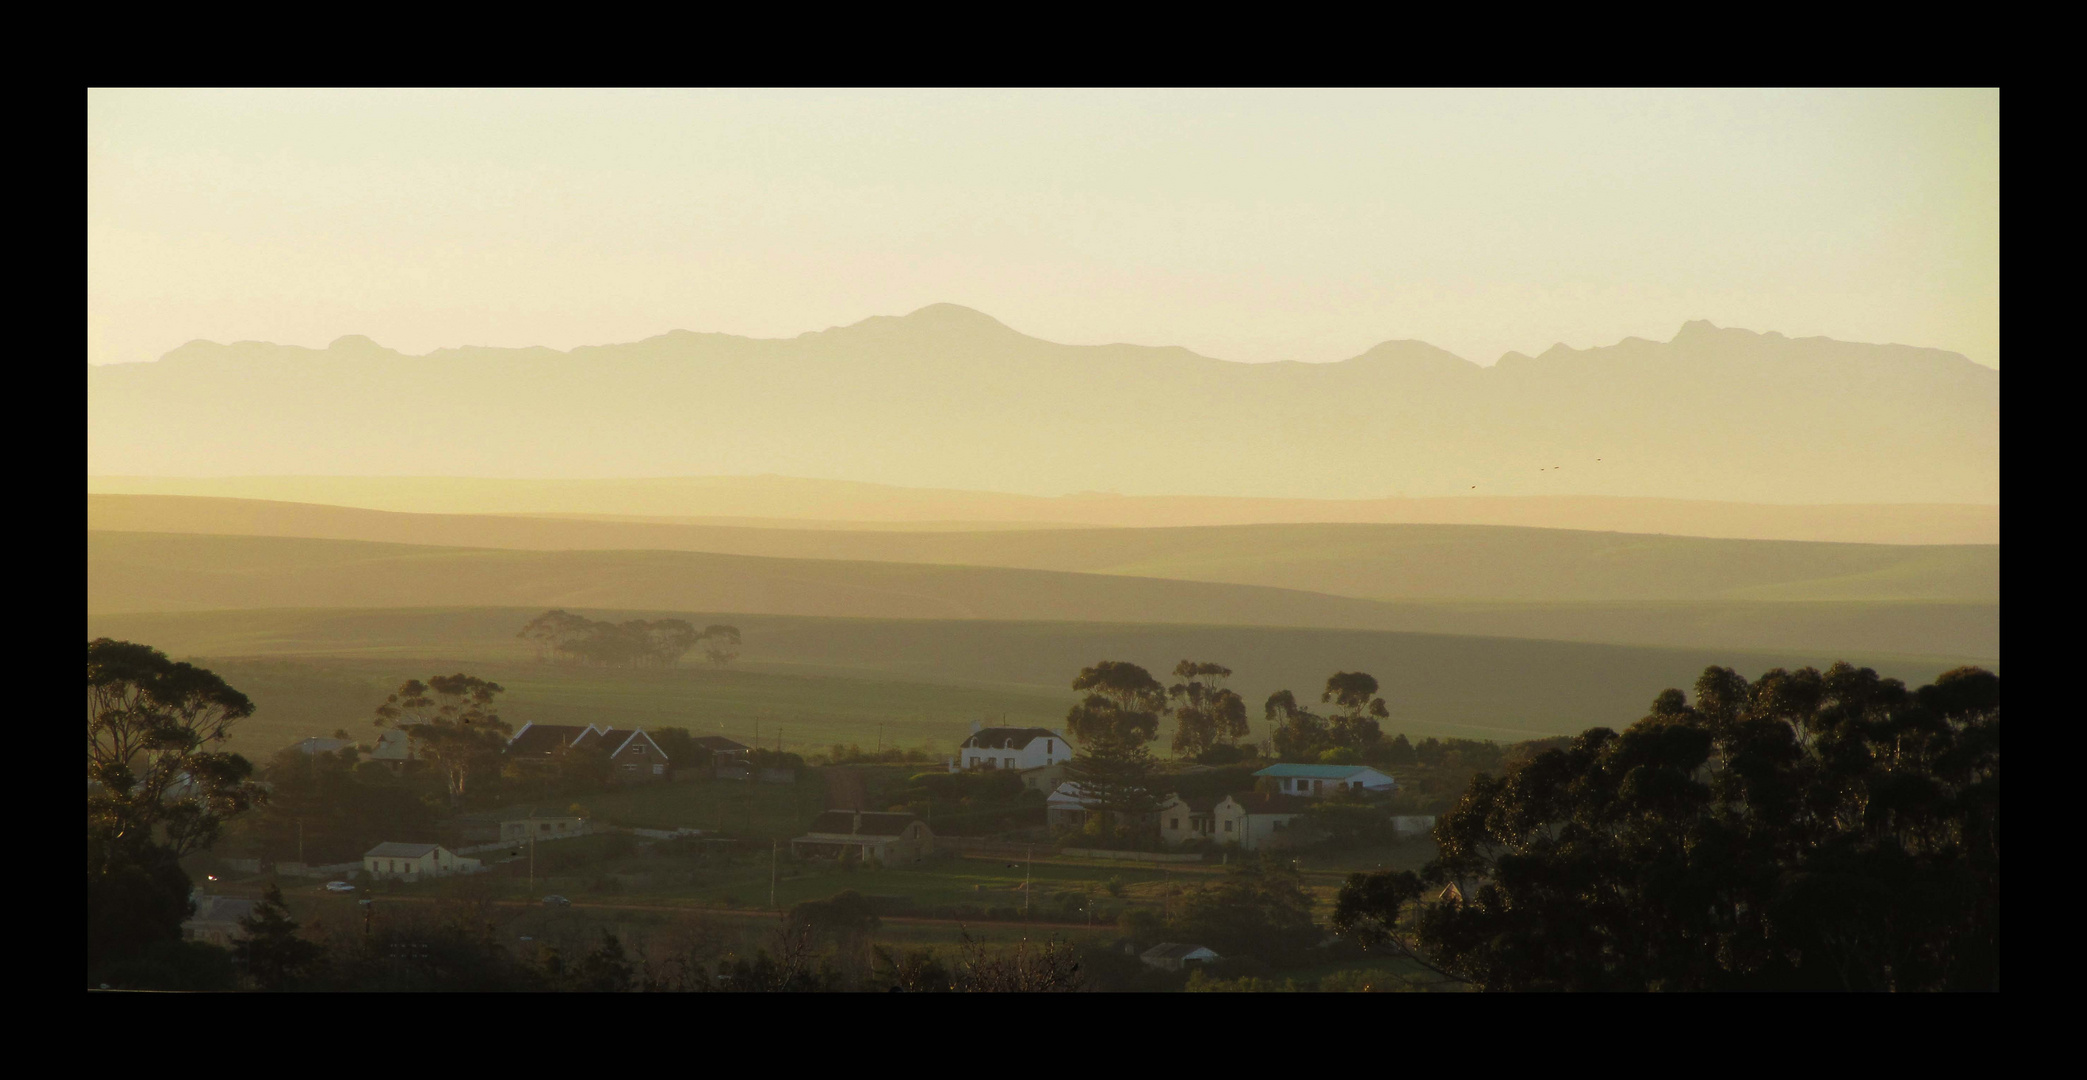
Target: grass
818, 681
1932, 600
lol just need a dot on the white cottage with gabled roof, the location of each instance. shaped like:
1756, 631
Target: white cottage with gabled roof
1010, 748
412, 862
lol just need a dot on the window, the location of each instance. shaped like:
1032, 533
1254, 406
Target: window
1173, 823
1318, 786
630, 768
638, 749
545, 827
1050, 747
659, 770
1010, 763
1228, 826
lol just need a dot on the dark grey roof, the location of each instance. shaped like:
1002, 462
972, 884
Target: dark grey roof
1008, 738
718, 744
544, 739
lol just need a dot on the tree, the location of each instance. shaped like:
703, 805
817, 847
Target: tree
1355, 695
1259, 908
1112, 724
1298, 733
452, 725
720, 643
271, 953
1806, 831
1207, 714
680, 747
553, 633
155, 792
149, 722
606, 970
671, 639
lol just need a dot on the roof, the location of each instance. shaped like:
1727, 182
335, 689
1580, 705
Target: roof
1068, 791
718, 744
1261, 802
544, 738
393, 745
614, 740
1199, 805
317, 745
1007, 738
873, 824
1170, 950
389, 850
1317, 772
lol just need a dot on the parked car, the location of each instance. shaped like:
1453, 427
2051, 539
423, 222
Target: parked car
339, 886
557, 901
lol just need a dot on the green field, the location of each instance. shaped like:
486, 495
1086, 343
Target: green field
821, 681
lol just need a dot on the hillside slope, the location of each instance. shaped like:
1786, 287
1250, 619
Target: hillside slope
1385, 562
162, 572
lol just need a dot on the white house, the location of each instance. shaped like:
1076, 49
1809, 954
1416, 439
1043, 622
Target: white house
1320, 781
1183, 820
1256, 820
1010, 748
412, 862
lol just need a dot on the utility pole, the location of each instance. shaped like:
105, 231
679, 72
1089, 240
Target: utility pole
300, 839
880, 739
774, 847
532, 862
1028, 860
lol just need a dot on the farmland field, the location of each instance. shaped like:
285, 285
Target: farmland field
822, 681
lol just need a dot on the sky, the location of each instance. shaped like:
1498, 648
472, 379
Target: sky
1244, 225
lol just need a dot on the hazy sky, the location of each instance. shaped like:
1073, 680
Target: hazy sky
1258, 225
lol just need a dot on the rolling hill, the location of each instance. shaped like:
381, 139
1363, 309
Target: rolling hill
163, 572
1378, 562
795, 502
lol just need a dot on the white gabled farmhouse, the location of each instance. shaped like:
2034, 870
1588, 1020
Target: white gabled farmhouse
1010, 748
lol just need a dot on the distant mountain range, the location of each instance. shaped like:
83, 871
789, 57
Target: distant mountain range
949, 397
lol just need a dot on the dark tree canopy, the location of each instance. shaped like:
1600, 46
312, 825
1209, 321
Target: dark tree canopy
155, 791
1112, 726
1207, 714
720, 643
452, 725
561, 635
271, 952
1807, 830
1354, 694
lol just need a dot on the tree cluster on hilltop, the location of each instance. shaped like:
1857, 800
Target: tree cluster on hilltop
563, 636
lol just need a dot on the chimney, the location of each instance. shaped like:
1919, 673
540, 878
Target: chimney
976, 727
